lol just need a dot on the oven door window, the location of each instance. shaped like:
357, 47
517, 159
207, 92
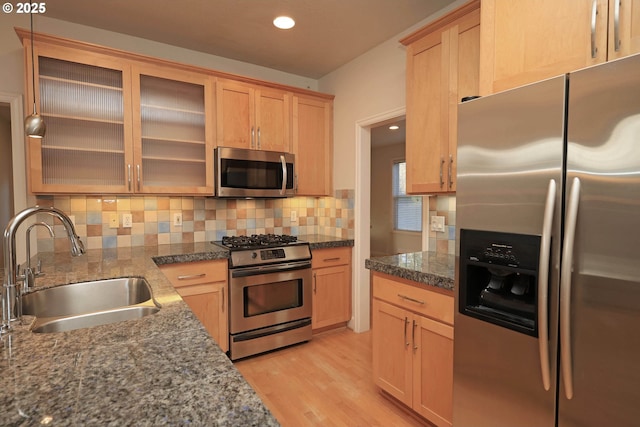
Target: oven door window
272, 297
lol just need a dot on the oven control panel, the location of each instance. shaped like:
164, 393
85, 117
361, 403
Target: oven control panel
269, 254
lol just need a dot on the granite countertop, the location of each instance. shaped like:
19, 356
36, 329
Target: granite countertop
162, 369
429, 268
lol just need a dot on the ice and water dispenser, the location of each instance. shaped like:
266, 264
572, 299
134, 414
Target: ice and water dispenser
499, 277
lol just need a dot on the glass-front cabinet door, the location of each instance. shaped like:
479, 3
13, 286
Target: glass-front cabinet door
173, 140
85, 103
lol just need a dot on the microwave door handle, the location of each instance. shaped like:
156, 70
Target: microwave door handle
284, 175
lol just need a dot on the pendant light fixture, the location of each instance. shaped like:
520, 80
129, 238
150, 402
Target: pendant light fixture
34, 124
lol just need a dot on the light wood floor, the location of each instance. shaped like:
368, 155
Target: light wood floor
325, 382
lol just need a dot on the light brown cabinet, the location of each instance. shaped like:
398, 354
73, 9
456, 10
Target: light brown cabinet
530, 40
331, 287
173, 135
442, 67
252, 117
116, 126
413, 346
312, 145
203, 285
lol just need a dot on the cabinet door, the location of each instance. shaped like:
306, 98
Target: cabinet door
427, 125
312, 145
273, 113
235, 114
331, 296
464, 69
624, 28
392, 351
173, 139
433, 370
85, 101
208, 303
529, 40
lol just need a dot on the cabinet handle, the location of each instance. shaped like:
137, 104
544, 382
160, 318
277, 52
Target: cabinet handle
222, 290
129, 175
450, 171
138, 172
616, 25
315, 282
258, 137
594, 13
413, 335
411, 299
441, 171
406, 322
253, 134
192, 276
332, 259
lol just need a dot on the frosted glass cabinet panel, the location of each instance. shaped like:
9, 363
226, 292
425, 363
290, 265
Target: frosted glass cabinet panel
173, 152
85, 108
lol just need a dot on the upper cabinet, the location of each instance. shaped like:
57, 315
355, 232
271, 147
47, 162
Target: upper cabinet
312, 145
252, 117
86, 105
529, 40
442, 67
119, 123
173, 134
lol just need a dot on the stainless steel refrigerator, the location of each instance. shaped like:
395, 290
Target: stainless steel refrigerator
547, 324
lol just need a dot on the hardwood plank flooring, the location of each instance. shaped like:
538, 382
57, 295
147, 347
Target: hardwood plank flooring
325, 382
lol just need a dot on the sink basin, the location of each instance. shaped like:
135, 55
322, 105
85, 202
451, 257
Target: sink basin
87, 304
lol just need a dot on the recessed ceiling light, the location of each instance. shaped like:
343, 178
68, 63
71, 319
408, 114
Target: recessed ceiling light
284, 22
394, 127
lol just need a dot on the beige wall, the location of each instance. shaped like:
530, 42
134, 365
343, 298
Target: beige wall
6, 178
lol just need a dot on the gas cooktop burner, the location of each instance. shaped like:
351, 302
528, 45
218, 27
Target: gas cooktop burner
257, 241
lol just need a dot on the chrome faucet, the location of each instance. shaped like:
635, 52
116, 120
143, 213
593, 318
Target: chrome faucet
11, 292
30, 274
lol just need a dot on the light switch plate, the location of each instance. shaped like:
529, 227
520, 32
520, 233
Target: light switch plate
113, 220
437, 223
177, 219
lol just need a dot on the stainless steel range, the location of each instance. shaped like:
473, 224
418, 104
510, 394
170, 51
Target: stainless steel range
269, 293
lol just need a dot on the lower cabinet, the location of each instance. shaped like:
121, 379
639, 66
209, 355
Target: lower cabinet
331, 287
203, 285
413, 346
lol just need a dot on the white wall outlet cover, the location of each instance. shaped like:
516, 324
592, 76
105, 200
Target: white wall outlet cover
294, 216
177, 219
437, 223
126, 220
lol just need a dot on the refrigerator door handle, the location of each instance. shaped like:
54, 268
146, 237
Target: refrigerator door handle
565, 287
543, 285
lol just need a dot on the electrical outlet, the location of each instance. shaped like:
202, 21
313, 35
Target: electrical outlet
126, 220
113, 220
437, 223
294, 216
177, 219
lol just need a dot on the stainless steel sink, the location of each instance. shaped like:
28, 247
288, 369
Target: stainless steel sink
87, 304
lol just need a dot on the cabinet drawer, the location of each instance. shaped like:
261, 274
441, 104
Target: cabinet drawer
330, 257
414, 298
194, 273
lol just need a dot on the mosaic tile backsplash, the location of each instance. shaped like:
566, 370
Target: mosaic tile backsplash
203, 219
443, 242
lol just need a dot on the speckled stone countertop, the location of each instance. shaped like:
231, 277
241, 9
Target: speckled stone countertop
162, 369
430, 268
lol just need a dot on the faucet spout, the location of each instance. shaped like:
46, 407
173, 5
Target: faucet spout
10, 290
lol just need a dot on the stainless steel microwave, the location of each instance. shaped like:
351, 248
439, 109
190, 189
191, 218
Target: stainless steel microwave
243, 173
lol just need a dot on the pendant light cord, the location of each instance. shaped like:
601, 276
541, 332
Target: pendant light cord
33, 65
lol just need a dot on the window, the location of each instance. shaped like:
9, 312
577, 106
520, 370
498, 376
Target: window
407, 210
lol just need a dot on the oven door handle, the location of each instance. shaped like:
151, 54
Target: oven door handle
266, 269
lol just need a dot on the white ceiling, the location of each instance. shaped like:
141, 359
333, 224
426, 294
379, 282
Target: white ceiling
327, 35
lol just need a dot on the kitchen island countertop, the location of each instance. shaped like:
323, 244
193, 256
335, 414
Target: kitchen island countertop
429, 268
